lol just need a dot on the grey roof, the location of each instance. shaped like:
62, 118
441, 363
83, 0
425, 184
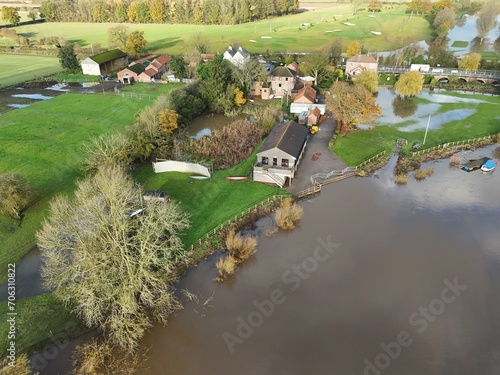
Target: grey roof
231, 51
288, 137
282, 71
244, 52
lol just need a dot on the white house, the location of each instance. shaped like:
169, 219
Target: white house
358, 63
104, 62
237, 57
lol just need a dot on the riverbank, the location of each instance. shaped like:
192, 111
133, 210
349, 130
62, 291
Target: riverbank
455, 117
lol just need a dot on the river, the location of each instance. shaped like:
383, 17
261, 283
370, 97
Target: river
377, 279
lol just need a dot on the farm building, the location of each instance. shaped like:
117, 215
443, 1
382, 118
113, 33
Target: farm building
279, 156
297, 108
306, 95
105, 62
145, 69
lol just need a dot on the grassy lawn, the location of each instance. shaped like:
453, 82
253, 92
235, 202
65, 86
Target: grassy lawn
40, 321
15, 68
460, 44
153, 89
209, 202
43, 143
362, 144
287, 33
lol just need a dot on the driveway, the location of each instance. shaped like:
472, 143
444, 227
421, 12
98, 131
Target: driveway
318, 158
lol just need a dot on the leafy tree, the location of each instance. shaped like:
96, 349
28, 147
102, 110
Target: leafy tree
100, 12
444, 21
404, 106
179, 66
168, 120
315, 63
470, 62
110, 269
251, 71
353, 49
486, 18
48, 10
409, 84
117, 36
213, 89
143, 12
135, 43
10, 14
32, 14
157, 10
133, 11
375, 6
352, 105
368, 79
121, 12
414, 6
67, 58
15, 193
187, 102
239, 97
337, 48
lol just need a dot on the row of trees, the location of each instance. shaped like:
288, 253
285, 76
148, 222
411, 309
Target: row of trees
158, 11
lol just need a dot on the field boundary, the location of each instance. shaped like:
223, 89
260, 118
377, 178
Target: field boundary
215, 231
458, 144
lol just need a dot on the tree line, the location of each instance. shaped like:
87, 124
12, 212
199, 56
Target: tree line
225, 12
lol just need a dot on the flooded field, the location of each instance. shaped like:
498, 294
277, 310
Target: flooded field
377, 279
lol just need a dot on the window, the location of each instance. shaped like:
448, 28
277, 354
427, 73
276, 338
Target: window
265, 160
286, 79
284, 163
279, 85
275, 161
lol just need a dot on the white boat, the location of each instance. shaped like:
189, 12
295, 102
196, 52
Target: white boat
489, 166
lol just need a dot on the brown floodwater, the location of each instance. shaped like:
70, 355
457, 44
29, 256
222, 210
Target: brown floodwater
204, 125
376, 279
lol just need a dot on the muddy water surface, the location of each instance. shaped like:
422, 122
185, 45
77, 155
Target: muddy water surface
377, 278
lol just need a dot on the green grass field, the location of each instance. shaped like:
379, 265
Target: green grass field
360, 145
40, 321
15, 68
209, 202
43, 143
287, 33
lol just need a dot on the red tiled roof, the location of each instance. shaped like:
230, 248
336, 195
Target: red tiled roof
163, 59
149, 72
143, 59
207, 56
308, 93
155, 64
315, 111
293, 66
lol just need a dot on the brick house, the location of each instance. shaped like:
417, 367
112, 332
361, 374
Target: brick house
356, 64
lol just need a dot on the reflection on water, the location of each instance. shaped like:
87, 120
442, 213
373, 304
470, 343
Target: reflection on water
17, 105
416, 115
466, 31
32, 96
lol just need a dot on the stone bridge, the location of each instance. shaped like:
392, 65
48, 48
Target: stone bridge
442, 74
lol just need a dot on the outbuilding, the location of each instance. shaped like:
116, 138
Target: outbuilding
104, 62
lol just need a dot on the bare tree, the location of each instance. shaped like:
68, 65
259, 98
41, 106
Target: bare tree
110, 267
315, 64
251, 71
487, 18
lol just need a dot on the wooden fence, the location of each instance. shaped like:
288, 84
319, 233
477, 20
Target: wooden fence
274, 199
315, 189
370, 159
461, 143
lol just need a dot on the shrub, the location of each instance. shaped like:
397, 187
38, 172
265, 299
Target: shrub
227, 146
401, 179
15, 193
22, 367
99, 357
226, 267
423, 173
455, 160
239, 247
288, 214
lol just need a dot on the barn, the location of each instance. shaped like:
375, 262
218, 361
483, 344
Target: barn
105, 62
